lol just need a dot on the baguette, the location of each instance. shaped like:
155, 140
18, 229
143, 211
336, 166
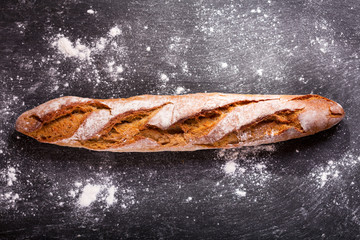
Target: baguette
150, 123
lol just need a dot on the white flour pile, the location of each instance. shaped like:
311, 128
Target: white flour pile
80, 51
106, 194
230, 167
77, 50
89, 195
115, 31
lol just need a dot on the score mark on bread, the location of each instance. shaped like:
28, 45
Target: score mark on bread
178, 123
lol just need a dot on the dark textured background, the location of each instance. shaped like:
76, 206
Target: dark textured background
302, 189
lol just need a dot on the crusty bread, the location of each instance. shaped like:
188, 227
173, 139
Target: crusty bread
178, 123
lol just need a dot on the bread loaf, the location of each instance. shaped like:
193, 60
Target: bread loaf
191, 122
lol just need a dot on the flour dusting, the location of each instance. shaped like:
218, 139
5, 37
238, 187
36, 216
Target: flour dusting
115, 31
70, 49
89, 195
240, 192
104, 193
230, 167
332, 171
10, 175
9, 198
164, 77
96, 62
110, 199
180, 90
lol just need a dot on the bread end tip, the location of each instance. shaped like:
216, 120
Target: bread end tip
27, 123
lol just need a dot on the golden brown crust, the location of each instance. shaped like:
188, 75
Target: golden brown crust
178, 123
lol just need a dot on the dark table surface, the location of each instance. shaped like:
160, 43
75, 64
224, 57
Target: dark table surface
300, 189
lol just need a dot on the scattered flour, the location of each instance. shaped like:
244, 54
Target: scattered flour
255, 173
89, 195
230, 167
164, 77
110, 66
78, 184
245, 152
243, 169
72, 193
69, 49
333, 169
90, 59
223, 65
185, 67
110, 199
10, 198
119, 69
115, 31
260, 72
240, 193
101, 44
180, 90
11, 176
257, 10
80, 51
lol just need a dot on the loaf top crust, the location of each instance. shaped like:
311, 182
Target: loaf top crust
178, 123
